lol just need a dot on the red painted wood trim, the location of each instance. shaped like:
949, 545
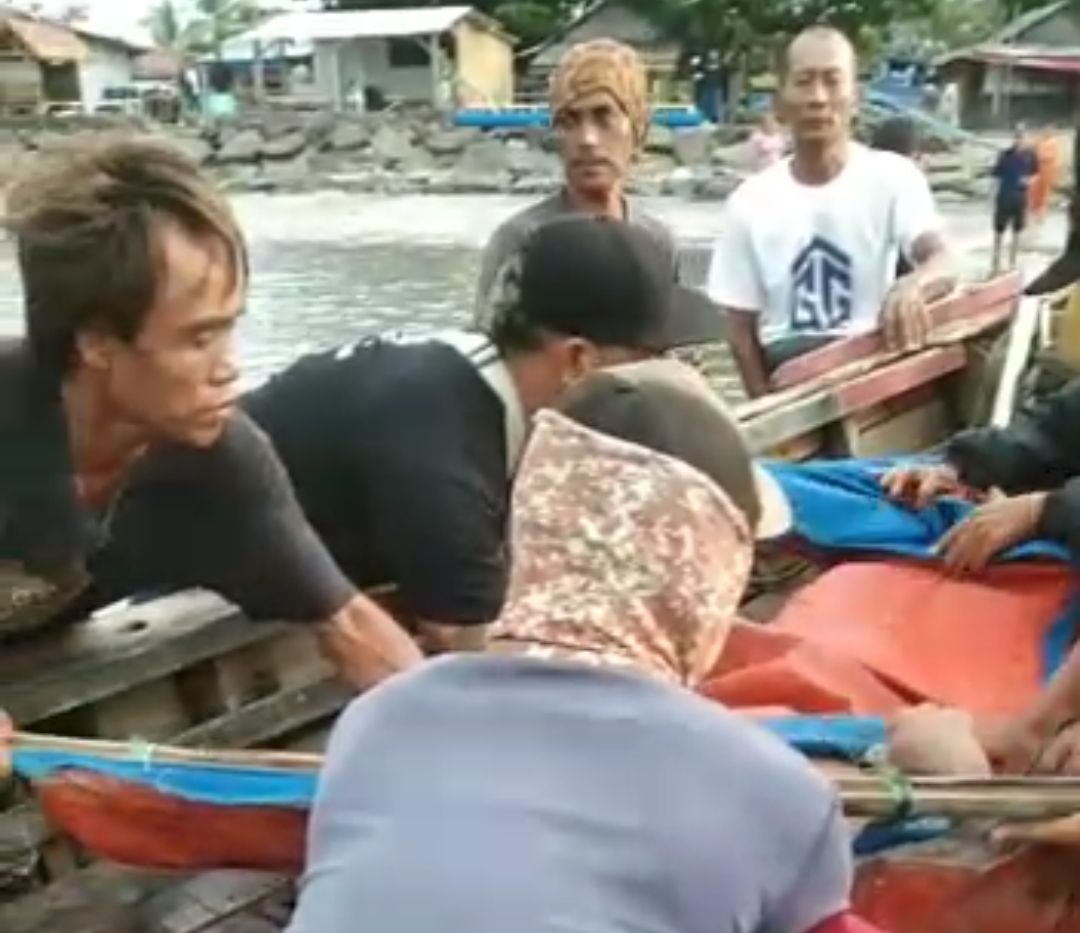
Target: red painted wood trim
1001, 295
893, 380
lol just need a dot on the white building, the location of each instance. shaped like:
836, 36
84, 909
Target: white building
109, 63
409, 54
44, 63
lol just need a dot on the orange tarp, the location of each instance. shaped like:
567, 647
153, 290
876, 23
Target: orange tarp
867, 638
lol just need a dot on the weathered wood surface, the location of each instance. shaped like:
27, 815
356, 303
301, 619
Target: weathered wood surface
834, 392
187, 669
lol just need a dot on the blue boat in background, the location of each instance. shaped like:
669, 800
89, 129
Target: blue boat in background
515, 116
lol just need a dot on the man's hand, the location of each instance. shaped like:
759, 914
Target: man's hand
992, 528
365, 644
918, 486
931, 739
905, 320
1061, 756
1012, 745
436, 638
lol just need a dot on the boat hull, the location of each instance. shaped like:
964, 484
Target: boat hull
188, 671
954, 886
135, 825
945, 886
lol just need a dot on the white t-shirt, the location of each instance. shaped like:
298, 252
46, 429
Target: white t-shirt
819, 259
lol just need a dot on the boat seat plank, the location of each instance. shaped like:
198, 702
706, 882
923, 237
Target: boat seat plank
99, 899
991, 303
222, 902
105, 656
767, 429
262, 722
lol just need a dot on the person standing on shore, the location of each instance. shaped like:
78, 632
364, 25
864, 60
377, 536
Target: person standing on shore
126, 467
1064, 271
1042, 185
600, 116
808, 248
1013, 171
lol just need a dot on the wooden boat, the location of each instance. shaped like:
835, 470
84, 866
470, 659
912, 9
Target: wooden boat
538, 116
188, 670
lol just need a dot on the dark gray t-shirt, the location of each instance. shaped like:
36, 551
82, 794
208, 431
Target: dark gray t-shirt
221, 517
509, 237
488, 794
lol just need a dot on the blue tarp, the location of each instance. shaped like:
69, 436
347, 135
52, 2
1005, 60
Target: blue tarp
837, 505
203, 783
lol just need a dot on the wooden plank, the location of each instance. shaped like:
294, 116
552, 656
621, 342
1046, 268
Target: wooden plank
109, 894
260, 723
106, 656
266, 720
988, 303
221, 901
98, 899
771, 429
810, 412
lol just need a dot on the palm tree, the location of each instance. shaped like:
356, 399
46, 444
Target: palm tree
207, 28
166, 26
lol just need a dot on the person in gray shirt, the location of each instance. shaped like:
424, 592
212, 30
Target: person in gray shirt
599, 109
568, 781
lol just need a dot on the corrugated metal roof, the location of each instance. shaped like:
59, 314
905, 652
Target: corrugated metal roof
1015, 29
1040, 58
46, 42
357, 24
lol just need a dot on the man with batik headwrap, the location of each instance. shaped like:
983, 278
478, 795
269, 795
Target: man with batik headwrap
600, 115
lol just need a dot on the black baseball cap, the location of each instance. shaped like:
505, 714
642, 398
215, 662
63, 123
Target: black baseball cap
609, 281
668, 406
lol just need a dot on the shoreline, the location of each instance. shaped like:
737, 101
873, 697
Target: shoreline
422, 153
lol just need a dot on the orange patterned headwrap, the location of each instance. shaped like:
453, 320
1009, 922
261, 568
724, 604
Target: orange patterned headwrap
620, 556
603, 65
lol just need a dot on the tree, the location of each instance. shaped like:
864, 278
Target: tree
739, 30
209, 25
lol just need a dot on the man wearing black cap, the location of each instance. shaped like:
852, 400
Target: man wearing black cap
401, 448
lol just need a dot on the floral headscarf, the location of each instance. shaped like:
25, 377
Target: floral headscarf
621, 556
603, 65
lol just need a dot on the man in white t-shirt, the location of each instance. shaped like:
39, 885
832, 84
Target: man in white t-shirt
809, 246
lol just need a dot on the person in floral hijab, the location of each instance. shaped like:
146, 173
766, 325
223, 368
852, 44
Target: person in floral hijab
633, 523
566, 778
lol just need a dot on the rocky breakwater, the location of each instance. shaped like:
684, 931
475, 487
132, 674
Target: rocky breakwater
398, 153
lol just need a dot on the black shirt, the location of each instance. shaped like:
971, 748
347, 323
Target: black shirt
398, 450
1039, 451
222, 517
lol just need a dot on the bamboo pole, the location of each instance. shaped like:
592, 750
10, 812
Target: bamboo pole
166, 754
864, 794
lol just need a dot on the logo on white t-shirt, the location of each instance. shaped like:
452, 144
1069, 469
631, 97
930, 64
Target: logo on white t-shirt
821, 287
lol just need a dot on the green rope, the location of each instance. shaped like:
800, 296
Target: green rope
142, 752
876, 761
